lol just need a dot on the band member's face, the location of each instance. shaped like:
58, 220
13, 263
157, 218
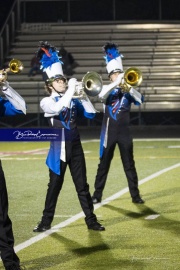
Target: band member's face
114, 76
59, 85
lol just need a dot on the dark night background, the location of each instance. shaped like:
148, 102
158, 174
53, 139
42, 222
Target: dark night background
96, 10
132, 11
5, 6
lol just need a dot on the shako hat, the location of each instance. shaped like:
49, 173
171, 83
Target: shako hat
113, 58
50, 61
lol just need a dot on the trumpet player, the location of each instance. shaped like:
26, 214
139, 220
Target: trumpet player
62, 111
115, 126
10, 105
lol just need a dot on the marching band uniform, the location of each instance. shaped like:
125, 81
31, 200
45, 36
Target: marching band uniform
62, 111
11, 105
115, 127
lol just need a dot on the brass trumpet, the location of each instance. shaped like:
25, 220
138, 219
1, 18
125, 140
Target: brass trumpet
132, 78
91, 85
15, 66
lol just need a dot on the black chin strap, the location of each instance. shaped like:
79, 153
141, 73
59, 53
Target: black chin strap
59, 93
54, 89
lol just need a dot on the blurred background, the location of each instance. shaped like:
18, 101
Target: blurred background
94, 10
148, 36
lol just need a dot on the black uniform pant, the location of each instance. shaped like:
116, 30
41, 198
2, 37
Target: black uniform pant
8, 255
76, 162
125, 144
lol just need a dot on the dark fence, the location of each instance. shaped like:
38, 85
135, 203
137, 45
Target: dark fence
99, 10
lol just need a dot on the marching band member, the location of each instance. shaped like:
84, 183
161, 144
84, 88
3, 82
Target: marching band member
115, 126
11, 105
62, 111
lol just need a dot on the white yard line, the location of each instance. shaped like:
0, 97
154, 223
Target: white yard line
81, 214
143, 139
152, 216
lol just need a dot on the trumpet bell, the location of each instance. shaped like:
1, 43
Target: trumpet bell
92, 83
15, 66
133, 77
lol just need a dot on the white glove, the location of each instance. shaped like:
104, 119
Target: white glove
108, 88
89, 108
4, 85
79, 88
65, 101
122, 81
2, 77
135, 94
119, 79
125, 88
72, 84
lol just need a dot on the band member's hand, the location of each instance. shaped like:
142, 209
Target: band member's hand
4, 85
136, 95
72, 84
119, 79
125, 88
3, 76
79, 87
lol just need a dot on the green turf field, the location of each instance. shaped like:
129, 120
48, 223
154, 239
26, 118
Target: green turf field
137, 237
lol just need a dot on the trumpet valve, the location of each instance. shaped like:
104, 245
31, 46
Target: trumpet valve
79, 88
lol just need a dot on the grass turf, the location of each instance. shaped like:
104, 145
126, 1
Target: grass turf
129, 242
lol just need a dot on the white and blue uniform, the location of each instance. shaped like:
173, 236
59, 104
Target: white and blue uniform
67, 152
115, 130
66, 122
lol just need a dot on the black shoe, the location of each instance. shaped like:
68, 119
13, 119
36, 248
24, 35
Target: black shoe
41, 227
95, 200
138, 199
15, 267
96, 226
